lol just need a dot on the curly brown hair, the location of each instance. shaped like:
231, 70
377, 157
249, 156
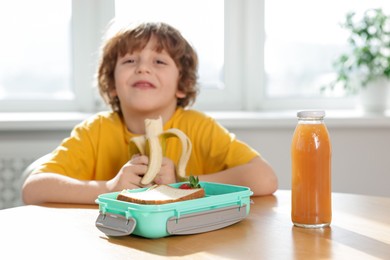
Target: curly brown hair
129, 40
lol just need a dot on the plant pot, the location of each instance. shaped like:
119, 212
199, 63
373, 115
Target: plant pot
373, 98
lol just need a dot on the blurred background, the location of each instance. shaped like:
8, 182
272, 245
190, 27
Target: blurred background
260, 63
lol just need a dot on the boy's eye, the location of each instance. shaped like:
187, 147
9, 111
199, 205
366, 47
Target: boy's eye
129, 61
160, 62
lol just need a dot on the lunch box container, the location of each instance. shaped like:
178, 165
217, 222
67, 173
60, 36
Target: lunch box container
223, 205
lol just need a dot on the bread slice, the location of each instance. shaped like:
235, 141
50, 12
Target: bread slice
161, 194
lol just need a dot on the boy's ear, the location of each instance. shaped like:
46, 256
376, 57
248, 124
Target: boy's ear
113, 93
180, 94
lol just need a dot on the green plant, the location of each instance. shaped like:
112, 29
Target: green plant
369, 58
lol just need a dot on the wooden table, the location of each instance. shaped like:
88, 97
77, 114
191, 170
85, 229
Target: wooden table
360, 230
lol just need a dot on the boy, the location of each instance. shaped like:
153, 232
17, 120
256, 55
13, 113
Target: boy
144, 72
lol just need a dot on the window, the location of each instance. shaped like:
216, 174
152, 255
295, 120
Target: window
48, 54
302, 40
35, 58
34, 66
254, 55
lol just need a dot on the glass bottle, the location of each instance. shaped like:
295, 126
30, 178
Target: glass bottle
311, 205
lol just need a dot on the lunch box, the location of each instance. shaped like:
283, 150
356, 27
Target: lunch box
223, 205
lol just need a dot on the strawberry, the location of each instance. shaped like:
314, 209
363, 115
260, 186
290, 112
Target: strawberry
185, 186
193, 183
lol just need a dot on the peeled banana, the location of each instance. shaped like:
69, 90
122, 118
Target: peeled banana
152, 144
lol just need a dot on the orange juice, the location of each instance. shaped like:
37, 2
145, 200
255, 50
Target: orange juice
311, 171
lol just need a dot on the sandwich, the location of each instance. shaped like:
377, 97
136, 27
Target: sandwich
161, 194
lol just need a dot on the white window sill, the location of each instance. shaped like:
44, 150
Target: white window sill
40, 121
288, 119
235, 119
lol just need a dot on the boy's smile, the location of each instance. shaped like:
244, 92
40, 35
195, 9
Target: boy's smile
143, 84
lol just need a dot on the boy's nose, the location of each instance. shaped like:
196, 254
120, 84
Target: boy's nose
143, 67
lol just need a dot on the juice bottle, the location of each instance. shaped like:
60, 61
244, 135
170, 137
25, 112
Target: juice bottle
311, 205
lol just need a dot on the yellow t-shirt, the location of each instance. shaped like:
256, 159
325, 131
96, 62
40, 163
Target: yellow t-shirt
98, 147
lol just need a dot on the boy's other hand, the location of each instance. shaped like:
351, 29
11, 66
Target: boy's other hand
167, 172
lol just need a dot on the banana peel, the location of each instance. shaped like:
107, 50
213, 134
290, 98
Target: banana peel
153, 145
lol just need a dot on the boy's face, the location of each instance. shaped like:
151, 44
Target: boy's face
146, 81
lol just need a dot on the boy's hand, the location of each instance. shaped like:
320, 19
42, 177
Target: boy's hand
167, 172
130, 175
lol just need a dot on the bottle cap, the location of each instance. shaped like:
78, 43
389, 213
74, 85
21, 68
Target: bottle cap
314, 114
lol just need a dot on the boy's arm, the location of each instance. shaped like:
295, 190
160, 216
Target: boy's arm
257, 174
52, 187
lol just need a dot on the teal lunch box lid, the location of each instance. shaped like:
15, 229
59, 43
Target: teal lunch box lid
223, 205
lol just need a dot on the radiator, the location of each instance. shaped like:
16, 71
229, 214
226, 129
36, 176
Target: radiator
11, 180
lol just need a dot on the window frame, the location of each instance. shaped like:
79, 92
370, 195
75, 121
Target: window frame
89, 18
245, 79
